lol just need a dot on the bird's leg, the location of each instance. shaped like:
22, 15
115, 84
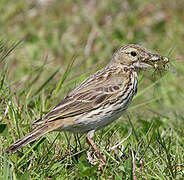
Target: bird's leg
94, 146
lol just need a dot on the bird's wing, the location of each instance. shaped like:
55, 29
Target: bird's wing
89, 95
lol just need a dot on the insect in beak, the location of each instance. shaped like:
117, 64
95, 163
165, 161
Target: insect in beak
157, 61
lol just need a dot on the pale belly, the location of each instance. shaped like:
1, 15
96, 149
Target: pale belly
97, 119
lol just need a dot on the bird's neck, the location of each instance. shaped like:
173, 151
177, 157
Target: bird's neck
122, 66
125, 68
128, 74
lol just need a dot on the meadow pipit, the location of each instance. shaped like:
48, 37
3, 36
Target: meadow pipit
99, 100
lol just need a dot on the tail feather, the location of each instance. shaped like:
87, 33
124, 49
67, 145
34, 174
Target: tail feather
35, 134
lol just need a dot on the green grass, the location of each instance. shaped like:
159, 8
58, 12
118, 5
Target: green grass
47, 49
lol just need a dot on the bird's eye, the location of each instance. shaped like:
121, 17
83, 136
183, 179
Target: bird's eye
133, 53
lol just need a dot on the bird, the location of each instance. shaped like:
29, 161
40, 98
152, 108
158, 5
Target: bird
99, 100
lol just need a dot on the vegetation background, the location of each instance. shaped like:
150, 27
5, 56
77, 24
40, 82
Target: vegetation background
62, 43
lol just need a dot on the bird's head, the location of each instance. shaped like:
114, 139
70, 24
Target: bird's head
138, 57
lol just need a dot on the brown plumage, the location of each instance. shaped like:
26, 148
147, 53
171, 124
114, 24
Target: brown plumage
100, 99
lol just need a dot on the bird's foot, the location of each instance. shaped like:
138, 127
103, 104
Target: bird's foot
97, 153
93, 159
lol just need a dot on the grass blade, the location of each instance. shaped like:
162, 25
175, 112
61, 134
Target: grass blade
46, 82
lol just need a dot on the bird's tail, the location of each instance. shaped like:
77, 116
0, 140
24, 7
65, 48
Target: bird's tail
35, 134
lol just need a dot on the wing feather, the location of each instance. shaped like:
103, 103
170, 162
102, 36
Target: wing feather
89, 95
